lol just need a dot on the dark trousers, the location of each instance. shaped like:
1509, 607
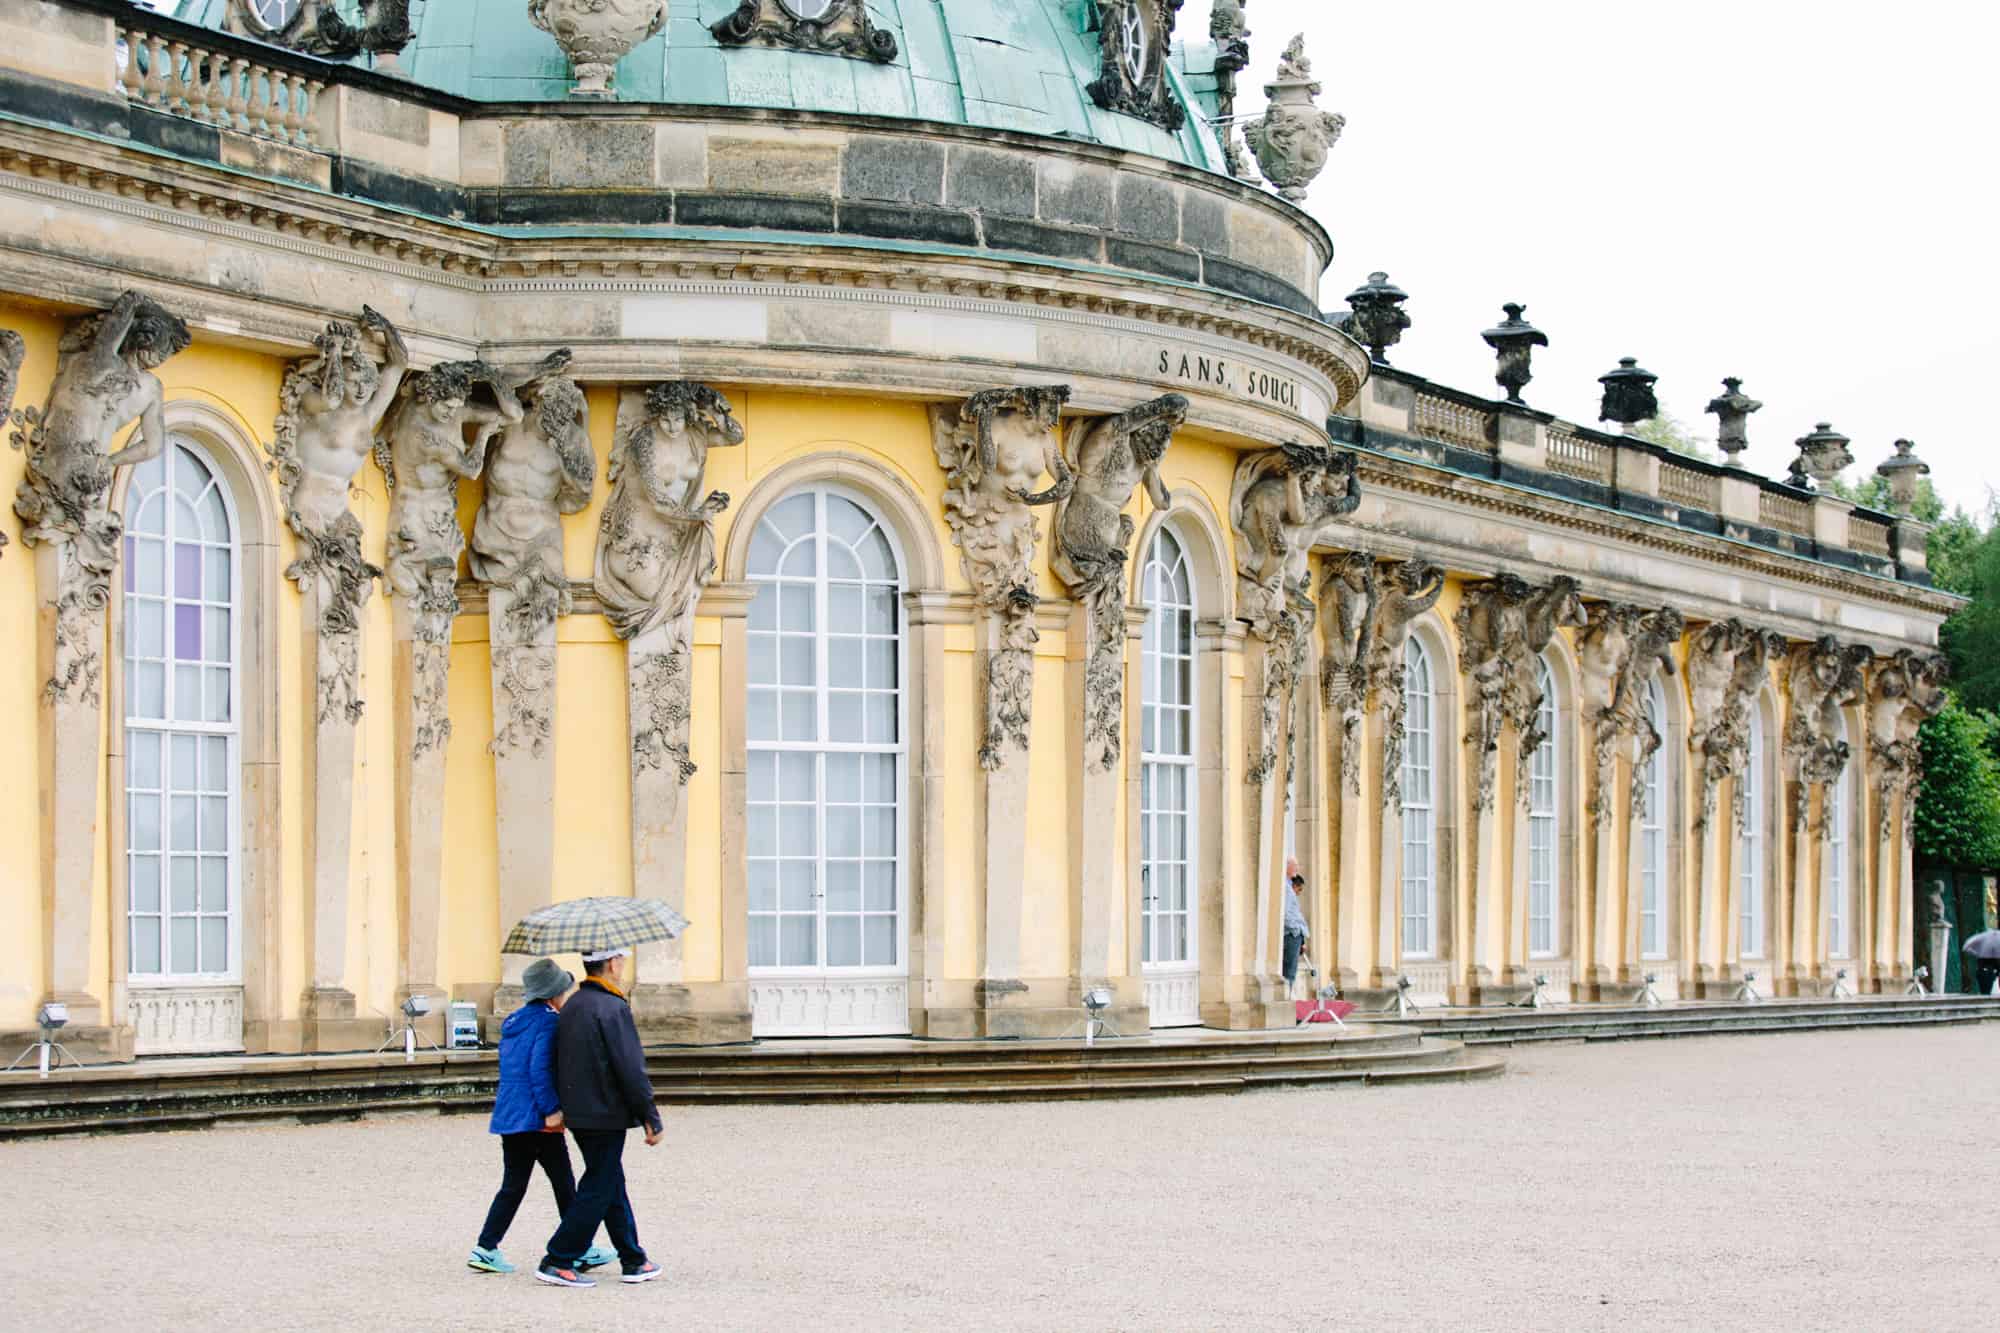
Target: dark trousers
1293, 945
520, 1154
600, 1198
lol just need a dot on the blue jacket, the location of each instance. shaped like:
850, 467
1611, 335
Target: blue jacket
527, 1094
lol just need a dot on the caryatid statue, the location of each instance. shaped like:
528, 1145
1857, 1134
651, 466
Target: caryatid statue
1108, 458
1654, 636
103, 382
1282, 503
1822, 677
329, 408
1350, 593
1907, 689
1405, 590
656, 552
994, 448
538, 470
1603, 651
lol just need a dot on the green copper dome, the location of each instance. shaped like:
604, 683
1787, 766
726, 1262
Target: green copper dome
1018, 65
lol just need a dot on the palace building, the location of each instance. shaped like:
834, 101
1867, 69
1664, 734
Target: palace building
877, 476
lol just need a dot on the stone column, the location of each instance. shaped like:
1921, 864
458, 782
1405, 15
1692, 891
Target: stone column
1219, 747
423, 726
1094, 672
1358, 755
1612, 879
1704, 933
1387, 953
1486, 898
523, 666
940, 1005
1006, 662
333, 708
70, 600
1796, 908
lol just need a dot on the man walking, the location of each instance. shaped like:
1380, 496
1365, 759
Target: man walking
602, 1084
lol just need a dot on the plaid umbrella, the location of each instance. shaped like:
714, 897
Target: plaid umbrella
588, 925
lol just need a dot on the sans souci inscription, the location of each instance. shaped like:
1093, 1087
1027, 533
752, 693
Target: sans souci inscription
1230, 377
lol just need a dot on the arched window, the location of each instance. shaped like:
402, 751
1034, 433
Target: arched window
1750, 870
1420, 851
1542, 807
1839, 909
1653, 834
1168, 787
181, 723
825, 738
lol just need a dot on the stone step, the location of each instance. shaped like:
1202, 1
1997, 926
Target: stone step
194, 1095
1593, 1023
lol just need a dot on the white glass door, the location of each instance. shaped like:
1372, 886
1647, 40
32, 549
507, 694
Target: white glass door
1167, 790
826, 822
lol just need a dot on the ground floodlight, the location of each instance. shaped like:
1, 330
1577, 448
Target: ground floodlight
415, 1006
1649, 997
51, 1018
1097, 999
1841, 990
1917, 986
1747, 991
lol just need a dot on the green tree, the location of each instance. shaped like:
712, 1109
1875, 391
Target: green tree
1873, 492
1972, 637
1668, 430
1957, 819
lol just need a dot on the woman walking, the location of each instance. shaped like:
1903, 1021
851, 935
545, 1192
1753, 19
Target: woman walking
528, 1118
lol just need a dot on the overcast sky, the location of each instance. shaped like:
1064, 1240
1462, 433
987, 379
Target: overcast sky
1800, 194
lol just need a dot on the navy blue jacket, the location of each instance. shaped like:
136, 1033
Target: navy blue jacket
527, 1094
600, 1068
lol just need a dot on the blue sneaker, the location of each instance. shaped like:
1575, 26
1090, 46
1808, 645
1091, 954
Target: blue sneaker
597, 1256
488, 1261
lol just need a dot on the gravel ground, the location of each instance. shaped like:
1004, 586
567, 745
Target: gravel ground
1789, 1181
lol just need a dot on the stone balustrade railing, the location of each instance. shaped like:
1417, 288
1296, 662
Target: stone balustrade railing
1684, 485
215, 87
1572, 455
1785, 513
1398, 411
1451, 422
1870, 536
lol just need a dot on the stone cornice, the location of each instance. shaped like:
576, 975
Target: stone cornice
80, 170
1473, 494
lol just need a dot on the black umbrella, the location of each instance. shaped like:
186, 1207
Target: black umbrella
1985, 945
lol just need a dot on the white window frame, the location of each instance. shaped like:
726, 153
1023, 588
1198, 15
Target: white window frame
166, 728
1155, 762
1544, 831
1653, 896
1420, 842
822, 747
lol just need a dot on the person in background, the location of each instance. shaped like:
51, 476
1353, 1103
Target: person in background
527, 1117
601, 1081
1295, 923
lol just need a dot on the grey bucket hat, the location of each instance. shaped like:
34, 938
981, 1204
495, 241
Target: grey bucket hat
544, 980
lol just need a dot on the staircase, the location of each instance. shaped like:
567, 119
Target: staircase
198, 1093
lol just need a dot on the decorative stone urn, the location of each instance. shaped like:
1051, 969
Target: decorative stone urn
1293, 137
1822, 454
1902, 472
596, 34
1732, 409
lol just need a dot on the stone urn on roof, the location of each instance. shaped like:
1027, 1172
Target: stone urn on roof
1822, 455
1902, 471
596, 35
1293, 137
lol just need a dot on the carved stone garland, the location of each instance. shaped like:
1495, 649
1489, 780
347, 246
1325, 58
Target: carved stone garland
103, 382
835, 27
1109, 458
1408, 588
1134, 41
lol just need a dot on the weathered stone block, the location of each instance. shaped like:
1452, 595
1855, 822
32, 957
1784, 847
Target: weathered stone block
680, 154
386, 116
992, 181
1204, 222
909, 171
1148, 208
602, 153
1032, 237
525, 156
479, 152
1075, 192
787, 164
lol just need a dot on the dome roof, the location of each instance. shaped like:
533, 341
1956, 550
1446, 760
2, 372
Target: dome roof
1019, 65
